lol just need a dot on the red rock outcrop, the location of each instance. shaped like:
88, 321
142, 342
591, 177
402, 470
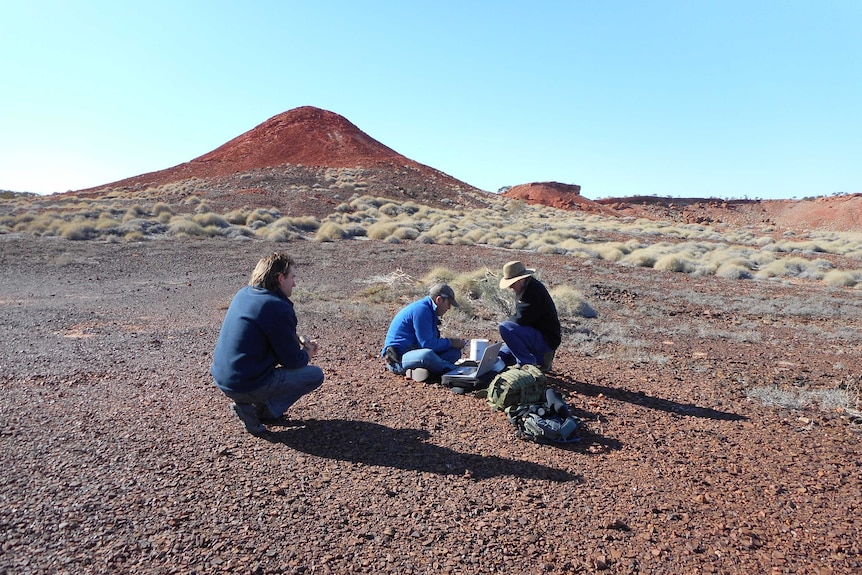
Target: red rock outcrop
557, 195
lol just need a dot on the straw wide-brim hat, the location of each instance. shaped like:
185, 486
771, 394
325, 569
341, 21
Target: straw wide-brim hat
512, 272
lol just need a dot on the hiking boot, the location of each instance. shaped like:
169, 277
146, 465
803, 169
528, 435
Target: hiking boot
282, 420
248, 415
419, 374
267, 417
547, 361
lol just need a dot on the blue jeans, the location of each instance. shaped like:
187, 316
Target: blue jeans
282, 389
435, 363
523, 344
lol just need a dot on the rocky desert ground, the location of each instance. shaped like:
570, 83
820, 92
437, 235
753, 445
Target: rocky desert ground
712, 349
715, 438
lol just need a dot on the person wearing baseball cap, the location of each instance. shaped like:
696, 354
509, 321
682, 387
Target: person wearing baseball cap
413, 346
532, 334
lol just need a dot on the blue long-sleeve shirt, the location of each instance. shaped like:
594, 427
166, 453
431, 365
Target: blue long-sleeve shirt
258, 333
415, 327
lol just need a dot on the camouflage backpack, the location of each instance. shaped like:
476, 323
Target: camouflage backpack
516, 386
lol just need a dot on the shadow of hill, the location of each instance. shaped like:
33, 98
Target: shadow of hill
374, 444
640, 398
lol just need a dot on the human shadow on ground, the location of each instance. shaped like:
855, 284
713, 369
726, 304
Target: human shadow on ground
640, 398
374, 444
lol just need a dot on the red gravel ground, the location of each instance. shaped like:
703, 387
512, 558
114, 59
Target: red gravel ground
122, 457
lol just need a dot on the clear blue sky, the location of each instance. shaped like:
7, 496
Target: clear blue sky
706, 98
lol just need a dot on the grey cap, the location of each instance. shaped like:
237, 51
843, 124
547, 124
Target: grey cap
443, 290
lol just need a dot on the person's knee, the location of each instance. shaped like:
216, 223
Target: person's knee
318, 376
507, 328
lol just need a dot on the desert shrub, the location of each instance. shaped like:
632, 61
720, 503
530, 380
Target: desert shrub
180, 226
237, 217
162, 208
379, 293
329, 232
277, 233
674, 263
475, 235
471, 285
210, 219
29, 223
438, 274
77, 230
643, 257
440, 228
570, 302
406, 233
133, 236
841, 278
550, 249
355, 231
390, 209
134, 212
192, 201
425, 239
299, 223
262, 215
381, 230
787, 267
826, 399
237, 233
611, 252
733, 270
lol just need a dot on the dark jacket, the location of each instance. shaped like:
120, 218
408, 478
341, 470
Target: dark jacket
258, 333
535, 308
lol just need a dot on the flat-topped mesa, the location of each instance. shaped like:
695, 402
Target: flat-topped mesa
557, 195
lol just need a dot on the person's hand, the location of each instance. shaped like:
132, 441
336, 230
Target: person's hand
309, 345
457, 342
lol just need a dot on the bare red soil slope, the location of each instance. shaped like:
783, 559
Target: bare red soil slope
836, 213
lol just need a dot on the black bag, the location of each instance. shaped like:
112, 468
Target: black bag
548, 422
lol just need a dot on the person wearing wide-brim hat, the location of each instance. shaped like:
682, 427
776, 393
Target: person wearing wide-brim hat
532, 333
413, 346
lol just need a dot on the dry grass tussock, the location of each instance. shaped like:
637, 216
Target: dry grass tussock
695, 249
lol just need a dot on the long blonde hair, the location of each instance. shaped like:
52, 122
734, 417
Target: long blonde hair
265, 274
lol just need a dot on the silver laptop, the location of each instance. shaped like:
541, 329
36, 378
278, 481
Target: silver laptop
470, 372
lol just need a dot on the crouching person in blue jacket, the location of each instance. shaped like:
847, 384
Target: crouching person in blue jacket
260, 362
